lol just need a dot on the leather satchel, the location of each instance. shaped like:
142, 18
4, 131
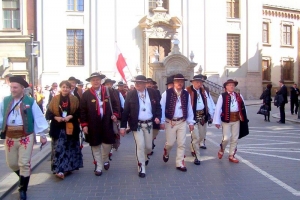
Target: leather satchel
69, 128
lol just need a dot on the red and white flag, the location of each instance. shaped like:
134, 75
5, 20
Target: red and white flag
120, 63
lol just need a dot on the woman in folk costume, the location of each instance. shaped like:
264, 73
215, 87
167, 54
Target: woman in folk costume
63, 111
99, 108
231, 114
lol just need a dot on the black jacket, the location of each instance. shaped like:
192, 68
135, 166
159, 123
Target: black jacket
294, 94
283, 92
132, 107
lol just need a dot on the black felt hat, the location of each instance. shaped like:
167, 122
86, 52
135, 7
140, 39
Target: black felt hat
72, 78
169, 80
179, 77
151, 80
140, 78
20, 80
108, 80
230, 81
199, 77
95, 74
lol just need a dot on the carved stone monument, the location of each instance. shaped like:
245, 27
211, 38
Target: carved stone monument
173, 64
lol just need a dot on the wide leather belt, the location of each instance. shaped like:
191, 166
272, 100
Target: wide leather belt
177, 119
145, 121
15, 132
199, 114
234, 116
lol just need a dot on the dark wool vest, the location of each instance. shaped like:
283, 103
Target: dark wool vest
225, 116
193, 95
171, 100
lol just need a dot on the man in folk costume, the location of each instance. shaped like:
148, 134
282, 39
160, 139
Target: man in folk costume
20, 118
141, 110
202, 108
96, 118
120, 100
231, 114
176, 112
76, 91
122, 89
150, 84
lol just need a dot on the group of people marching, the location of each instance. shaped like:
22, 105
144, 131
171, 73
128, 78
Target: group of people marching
103, 113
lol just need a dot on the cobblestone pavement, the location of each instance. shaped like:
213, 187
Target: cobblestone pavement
269, 169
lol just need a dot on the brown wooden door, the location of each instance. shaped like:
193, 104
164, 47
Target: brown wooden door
163, 46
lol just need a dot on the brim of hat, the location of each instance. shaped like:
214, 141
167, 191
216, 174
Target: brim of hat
99, 76
15, 79
235, 83
197, 80
144, 81
169, 83
184, 79
113, 82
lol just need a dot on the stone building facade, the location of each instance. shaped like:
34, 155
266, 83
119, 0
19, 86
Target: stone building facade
16, 25
224, 38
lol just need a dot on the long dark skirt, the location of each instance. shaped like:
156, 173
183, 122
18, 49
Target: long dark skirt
66, 154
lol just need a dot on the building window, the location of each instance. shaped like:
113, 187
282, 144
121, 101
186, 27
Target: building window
233, 50
265, 33
266, 70
152, 5
287, 34
233, 9
287, 70
11, 14
75, 5
75, 47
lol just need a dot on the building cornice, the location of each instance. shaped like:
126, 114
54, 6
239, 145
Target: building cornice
280, 11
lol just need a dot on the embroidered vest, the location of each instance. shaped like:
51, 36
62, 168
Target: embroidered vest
25, 110
193, 94
171, 100
225, 116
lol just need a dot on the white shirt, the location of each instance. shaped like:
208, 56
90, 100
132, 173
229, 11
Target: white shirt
145, 110
218, 111
40, 123
122, 101
178, 111
100, 102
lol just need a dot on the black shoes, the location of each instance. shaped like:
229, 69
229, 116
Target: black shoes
165, 158
280, 122
196, 161
203, 147
183, 169
98, 173
23, 185
147, 162
142, 175
106, 165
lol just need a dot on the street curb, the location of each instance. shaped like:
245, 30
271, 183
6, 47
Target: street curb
277, 116
11, 181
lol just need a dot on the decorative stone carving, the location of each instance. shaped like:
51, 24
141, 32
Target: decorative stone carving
159, 3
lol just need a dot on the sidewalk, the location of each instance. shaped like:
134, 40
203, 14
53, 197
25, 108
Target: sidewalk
288, 117
9, 179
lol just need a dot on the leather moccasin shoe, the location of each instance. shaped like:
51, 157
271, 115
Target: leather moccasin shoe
142, 175
233, 159
196, 161
106, 165
220, 154
98, 173
203, 147
165, 158
183, 169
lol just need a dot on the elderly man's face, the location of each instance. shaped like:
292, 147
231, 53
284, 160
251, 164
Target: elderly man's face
96, 82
